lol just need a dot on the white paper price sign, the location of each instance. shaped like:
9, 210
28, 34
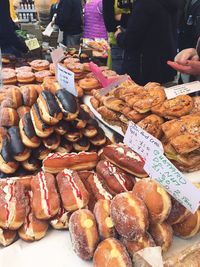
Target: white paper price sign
32, 44
66, 79
57, 55
167, 175
140, 141
182, 89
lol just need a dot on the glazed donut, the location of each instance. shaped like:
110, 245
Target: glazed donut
45, 201
162, 235
23, 69
73, 135
82, 145
31, 164
29, 95
50, 84
52, 68
73, 192
41, 152
62, 127
9, 77
57, 162
178, 213
98, 188
52, 142
138, 244
18, 150
83, 233
68, 104
189, 227
61, 220
77, 69
7, 237
8, 117
70, 60
21, 111
157, 200
91, 128
27, 132
88, 84
39, 64
130, 215
49, 109
125, 158
41, 128
116, 179
12, 205
105, 224
16, 96
25, 77
111, 252
40, 75
32, 229
82, 119
7, 164
99, 139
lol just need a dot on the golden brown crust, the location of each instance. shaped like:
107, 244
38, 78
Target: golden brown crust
94, 102
39, 64
25, 77
88, 84
178, 213
40, 75
52, 142
8, 117
21, 111
61, 220
29, 95
7, 237
108, 114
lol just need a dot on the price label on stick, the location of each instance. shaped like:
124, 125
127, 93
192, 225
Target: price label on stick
32, 44
66, 79
168, 176
182, 89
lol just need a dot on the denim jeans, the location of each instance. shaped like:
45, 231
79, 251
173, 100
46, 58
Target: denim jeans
117, 58
71, 40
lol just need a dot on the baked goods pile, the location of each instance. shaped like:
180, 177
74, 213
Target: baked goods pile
110, 215
175, 122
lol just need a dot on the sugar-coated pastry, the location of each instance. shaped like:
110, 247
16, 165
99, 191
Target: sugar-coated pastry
21, 111
57, 162
178, 213
24, 180
162, 235
157, 200
45, 201
62, 127
25, 77
82, 145
99, 139
23, 69
83, 233
138, 244
98, 187
68, 104
29, 95
39, 64
15, 95
12, 205
41, 128
41, 152
129, 215
52, 142
7, 164
189, 227
111, 252
50, 84
32, 228
18, 149
49, 109
52, 68
61, 220
104, 222
7, 237
27, 132
89, 84
31, 164
8, 117
125, 158
116, 179
40, 75
73, 192
9, 77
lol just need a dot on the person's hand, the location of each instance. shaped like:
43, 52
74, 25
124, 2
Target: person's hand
118, 17
186, 54
118, 31
191, 67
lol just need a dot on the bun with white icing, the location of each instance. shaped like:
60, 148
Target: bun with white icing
7, 237
61, 220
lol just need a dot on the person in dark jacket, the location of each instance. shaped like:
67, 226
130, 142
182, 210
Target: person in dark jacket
69, 20
150, 41
53, 10
9, 41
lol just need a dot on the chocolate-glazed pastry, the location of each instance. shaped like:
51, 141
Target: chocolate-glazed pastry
91, 128
99, 139
41, 128
82, 145
68, 104
31, 164
52, 142
73, 135
62, 127
81, 120
18, 149
49, 108
65, 146
27, 132
41, 152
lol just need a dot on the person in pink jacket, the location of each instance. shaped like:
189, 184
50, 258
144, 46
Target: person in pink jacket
94, 26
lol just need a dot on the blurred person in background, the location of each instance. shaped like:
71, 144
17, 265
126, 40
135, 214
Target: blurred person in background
94, 26
9, 42
150, 40
54, 9
69, 20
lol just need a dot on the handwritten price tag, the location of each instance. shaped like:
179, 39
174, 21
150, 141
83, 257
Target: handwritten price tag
140, 141
32, 44
182, 89
66, 79
57, 55
167, 175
